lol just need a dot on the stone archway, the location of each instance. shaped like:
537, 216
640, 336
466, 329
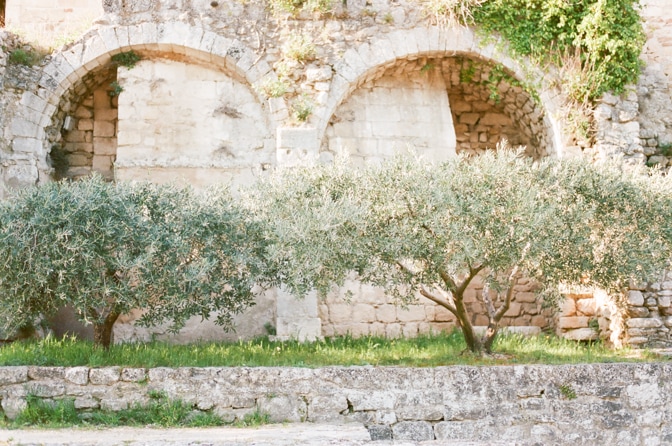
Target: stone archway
70, 73
370, 61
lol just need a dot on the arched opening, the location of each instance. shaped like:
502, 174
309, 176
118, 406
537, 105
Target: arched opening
170, 117
440, 105
89, 134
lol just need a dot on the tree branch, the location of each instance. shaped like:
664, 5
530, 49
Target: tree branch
489, 305
450, 283
473, 272
438, 299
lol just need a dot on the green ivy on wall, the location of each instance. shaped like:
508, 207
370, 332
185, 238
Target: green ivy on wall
606, 35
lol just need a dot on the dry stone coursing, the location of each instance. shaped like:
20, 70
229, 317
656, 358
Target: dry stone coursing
362, 310
625, 404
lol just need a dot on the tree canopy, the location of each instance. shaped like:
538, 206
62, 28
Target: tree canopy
417, 228
105, 249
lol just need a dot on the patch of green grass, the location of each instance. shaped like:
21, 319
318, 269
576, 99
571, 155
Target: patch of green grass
25, 57
51, 414
160, 411
424, 351
253, 419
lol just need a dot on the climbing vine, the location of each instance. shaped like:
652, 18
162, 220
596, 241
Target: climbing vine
607, 35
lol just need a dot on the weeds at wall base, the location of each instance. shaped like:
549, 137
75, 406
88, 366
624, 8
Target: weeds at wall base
160, 411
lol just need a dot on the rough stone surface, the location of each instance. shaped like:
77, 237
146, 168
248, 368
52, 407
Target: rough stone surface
523, 405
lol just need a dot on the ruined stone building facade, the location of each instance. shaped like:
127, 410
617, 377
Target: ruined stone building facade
225, 91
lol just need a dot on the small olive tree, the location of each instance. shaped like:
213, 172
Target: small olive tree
418, 228
105, 249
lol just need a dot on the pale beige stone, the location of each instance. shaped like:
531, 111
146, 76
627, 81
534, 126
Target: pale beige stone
587, 307
573, 322
386, 313
411, 313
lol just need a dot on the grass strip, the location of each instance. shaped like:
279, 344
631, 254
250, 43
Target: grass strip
424, 351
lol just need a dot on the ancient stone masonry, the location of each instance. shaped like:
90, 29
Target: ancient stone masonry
226, 90
624, 404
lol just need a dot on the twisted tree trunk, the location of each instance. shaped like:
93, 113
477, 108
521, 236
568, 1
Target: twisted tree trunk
102, 329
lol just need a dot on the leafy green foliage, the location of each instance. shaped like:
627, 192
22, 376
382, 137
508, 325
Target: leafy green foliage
273, 88
607, 33
302, 107
416, 228
424, 351
127, 59
115, 89
105, 249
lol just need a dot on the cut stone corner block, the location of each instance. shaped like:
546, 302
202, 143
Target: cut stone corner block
297, 318
297, 145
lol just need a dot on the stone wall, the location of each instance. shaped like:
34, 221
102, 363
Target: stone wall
178, 118
91, 144
625, 404
361, 310
404, 109
650, 314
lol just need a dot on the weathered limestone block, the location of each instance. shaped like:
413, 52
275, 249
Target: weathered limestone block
46, 373
77, 375
86, 403
283, 408
46, 389
643, 323
573, 322
635, 298
380, 432
413, 431
13, 375
133, 375
105, 376
12, 407
371, 401
411, 313
581, 334
326, 408
568, 307
638, 312
385, 417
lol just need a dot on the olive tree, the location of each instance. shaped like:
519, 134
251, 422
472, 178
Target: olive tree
105, 249
419, 228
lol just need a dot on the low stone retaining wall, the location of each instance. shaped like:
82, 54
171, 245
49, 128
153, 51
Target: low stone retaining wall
625, 404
